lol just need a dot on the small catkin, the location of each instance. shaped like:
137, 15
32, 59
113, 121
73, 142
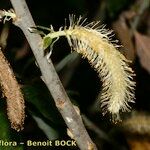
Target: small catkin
94, 43
11, 90
138, 123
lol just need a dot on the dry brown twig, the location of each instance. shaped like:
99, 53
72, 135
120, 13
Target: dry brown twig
73, 120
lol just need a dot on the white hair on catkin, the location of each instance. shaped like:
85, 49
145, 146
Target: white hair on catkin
94, 43
117, 82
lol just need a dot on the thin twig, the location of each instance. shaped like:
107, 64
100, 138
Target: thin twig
51, 79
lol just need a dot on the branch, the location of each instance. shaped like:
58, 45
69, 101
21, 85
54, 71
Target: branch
73, 120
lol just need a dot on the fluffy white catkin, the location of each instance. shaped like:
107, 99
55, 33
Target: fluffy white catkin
112, 67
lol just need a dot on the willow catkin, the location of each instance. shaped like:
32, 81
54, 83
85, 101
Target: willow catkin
112, 67
11, 90
137, 123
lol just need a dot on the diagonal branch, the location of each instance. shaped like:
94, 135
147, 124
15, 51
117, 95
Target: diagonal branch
73, 120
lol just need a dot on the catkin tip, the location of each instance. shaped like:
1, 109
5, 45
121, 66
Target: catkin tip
17, 127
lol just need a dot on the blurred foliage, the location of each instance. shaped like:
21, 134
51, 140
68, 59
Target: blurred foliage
42, 101
116, 6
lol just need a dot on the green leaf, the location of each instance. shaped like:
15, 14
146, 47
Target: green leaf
43, 110
115, 6
46, 42
4, 127
39, 97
